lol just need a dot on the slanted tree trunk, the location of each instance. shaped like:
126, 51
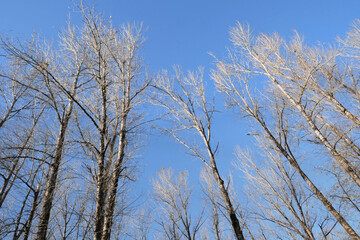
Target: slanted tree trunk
52, 179
34, 206
225, 195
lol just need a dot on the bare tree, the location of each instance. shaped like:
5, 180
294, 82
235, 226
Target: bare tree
109, 115
15, 81
58, 75
279, 197
306, 81
190, 112
23, 160
95, 69
19, 107
72, 208
172, 197
140, 224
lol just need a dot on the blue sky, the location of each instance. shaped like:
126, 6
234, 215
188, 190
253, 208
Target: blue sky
184, 32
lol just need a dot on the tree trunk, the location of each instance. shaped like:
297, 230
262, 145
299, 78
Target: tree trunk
32, 213
115, 181
224, 193
51, 182
102, 174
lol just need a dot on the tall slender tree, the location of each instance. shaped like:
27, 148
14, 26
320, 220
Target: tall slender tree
110, 108
190, 112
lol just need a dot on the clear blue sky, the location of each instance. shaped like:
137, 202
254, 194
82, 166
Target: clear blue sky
183, 32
